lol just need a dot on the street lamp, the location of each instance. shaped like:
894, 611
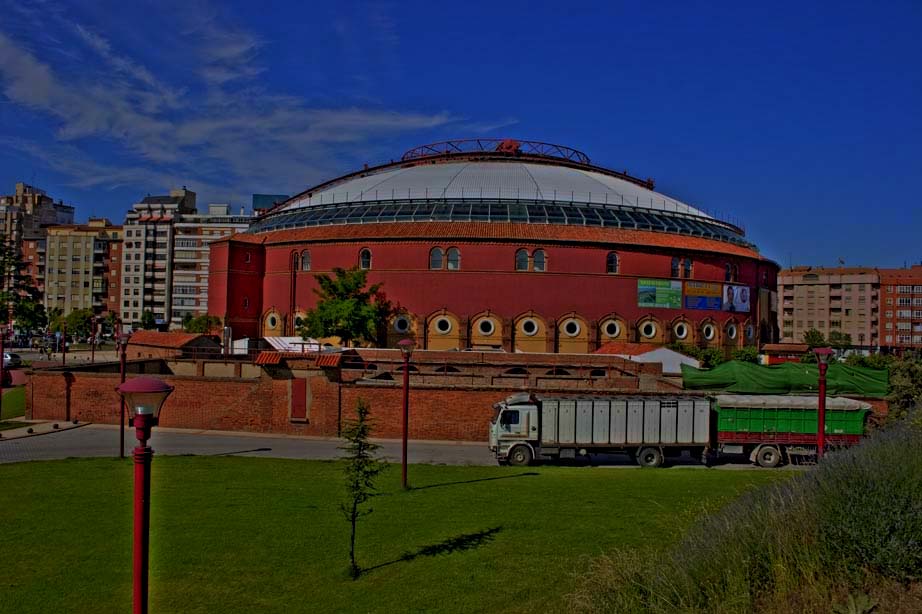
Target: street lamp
822, 357
406, 348
145, 395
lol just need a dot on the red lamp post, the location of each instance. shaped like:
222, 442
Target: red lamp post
93, 326
822, 357
406, 348
145, 395
122, 348
64, 342
2, 365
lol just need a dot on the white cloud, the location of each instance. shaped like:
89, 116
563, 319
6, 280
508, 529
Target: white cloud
221, 132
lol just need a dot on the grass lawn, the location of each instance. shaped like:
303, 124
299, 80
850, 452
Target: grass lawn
236, 534
14, 403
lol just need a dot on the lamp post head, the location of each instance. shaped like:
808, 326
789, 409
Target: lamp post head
406, 347
823, 354
145, 395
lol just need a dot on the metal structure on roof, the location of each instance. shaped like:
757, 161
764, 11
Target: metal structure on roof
504, 146
495, 180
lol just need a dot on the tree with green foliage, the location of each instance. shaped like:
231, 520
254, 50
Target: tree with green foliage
747, 354
201, 324
708, 357
905, 395
18, 291
814, 339
839, 340
347, 309
148, 322
361, 469
79, 323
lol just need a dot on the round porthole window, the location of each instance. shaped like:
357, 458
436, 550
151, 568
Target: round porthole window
443, 326
680, 330
648, 330
401, 324
708, 331
272, 321
731, 331
611, 329
299, 321
486, 327
571, 328
750, 332
529, 327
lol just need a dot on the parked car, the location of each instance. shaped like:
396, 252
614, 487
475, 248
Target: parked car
11, 360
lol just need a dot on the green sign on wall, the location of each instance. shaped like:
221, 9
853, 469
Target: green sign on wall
659, 293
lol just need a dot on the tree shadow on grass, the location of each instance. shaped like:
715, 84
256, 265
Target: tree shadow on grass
501, 477
459, 543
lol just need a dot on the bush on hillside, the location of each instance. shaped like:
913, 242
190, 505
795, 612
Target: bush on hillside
851, 525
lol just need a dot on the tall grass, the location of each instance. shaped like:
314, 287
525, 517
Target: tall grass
849, 526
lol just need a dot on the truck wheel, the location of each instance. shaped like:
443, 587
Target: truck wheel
768, 456
650, 457
520, 456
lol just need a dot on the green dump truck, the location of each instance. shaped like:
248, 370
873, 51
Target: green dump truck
770, 429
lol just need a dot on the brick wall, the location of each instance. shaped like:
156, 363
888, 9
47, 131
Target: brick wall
438, 409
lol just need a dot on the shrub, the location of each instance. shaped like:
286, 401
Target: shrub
853, 522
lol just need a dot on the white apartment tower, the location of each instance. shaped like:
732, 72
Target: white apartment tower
165, 267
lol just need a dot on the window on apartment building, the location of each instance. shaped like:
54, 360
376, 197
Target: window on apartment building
126, 303
904, 289
835, 323
888, 326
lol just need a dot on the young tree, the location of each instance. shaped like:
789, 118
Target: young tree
347, 309
201, 324
362, 467
839, 340
147, 320
814, 338
18, 290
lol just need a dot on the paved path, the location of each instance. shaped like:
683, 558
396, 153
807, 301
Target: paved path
96, 440
102, 440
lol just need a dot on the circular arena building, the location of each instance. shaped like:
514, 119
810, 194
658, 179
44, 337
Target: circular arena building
503, 244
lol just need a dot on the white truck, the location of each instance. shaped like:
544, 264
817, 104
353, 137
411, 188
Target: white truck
527, 427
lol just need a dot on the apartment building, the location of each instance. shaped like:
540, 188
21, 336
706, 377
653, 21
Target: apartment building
901, 298
26, 213
80, 266
192, 235
844, 299
165, 267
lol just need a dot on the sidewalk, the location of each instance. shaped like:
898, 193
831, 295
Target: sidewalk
38, 427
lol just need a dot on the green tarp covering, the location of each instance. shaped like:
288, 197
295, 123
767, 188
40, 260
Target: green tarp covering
749, 378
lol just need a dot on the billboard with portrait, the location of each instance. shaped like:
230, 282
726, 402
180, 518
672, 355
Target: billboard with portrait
736, 298
663, 293
703, 295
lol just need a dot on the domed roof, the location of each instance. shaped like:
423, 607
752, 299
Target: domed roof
515, 181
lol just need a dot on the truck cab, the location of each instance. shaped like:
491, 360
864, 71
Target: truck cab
514, 429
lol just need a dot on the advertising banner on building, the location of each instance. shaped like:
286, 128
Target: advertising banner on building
736, 298
659, 293
703, 295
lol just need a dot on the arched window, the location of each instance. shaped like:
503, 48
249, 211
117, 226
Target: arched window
365, 259
305, 260
454, 259
435, 259
521, 260
687, 268
539, 260
731, 272
674, 271
611, 263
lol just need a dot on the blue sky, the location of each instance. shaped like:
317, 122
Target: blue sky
800, 120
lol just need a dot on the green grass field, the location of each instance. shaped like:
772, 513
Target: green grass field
14, 403
234, 534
